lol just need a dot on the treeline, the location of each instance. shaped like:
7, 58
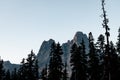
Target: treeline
28, 70
94, 65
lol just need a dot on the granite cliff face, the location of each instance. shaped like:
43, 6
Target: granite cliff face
44, 52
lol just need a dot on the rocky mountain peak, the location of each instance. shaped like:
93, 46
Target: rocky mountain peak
78, 37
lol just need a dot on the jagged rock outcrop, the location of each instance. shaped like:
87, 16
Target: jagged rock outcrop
44, 52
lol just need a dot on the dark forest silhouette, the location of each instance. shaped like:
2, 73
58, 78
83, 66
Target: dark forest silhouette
101, 63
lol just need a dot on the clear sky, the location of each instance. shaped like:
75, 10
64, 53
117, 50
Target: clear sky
25, 24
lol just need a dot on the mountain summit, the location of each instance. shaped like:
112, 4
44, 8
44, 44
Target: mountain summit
44, 52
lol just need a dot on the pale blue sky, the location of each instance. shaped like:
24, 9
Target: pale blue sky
24, 24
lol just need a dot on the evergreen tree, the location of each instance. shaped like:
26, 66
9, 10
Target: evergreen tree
14, 75
51, 74
55, 65
7, 75
114, 64
118, 50
2, 71
30, 66
78, 62
73, 61
22, 71
101, 43
118, 42
94, 68
83, 62
36, 70
107, 75
100, 50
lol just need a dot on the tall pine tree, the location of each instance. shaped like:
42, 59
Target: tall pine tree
118, 42
73, 60
118, 50
7, 75
55, 65
78, 62
14, 75
22, 73
114, 64
100, 50
107, 75
31, 66
94, 71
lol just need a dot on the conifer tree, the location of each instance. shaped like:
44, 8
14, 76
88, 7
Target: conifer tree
100, 47
100, 50
7, 75
52, 61
14, 75
114, 64
94, 71
101, 43
118, 42
78, 62
83, 62
107, 75
36, 69
55, 65
30, 66
22, 71
118, 50
73, 61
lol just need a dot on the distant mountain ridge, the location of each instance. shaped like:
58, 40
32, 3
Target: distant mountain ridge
44, 51
10, 66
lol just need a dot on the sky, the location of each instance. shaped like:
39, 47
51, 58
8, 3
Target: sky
25, 24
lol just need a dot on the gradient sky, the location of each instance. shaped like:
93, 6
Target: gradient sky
25, 24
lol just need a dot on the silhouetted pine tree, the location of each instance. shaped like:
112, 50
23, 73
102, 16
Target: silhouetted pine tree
2, 71
100, 44
107, 75
94, 67
22, 73
36, 69
118, 50
100, 50
114, 64
30, 66
7, 75
14, 75
73, 61
83, 62
78, 62
55, 64
118, 42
